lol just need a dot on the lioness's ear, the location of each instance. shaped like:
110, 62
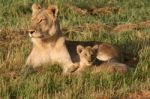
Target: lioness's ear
95, 47
53, 9
35, 7
79, 49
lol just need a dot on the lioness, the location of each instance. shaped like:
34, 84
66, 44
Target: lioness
87, 58
50, 46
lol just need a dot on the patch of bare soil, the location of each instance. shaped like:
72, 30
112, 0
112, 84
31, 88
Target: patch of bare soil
103, 10
72, 31
93, 10
140, 95
95, 27
131, 26
124, 27
76, 9
96, 95
144, 24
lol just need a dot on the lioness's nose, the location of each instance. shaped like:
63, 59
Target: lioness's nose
31, 31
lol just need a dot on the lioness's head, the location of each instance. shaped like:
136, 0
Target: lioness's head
87, 54
44, 23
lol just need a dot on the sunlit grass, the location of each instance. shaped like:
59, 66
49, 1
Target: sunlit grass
15, 46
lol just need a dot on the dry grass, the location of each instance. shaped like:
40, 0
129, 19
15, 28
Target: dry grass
84, 21
76, 9
131, 26
140, 95
93, 10
104, 10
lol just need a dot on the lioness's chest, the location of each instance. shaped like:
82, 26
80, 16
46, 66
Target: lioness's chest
41, 55
60, 55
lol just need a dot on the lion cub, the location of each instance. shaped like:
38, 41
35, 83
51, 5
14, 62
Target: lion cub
110, 67
87, 56
87, 59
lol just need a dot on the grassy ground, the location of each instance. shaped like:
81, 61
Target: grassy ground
100, 25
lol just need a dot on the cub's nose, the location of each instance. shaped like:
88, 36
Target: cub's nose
31, 31
89, 61
93, 57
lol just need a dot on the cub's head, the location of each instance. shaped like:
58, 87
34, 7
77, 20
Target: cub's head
44, 23
87, 54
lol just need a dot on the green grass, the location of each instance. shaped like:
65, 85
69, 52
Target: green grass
15, 46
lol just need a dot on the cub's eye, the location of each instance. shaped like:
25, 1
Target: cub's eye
85, 54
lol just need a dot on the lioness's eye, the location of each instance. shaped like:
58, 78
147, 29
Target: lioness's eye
41, 20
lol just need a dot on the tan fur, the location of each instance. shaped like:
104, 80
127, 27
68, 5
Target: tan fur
50, 46
107, 52
110, 67
87, 56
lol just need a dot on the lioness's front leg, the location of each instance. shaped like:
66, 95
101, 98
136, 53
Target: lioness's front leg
61, 55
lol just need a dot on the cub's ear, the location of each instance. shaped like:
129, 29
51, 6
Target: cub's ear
95, 47
79, 49
35, 8
53, 9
